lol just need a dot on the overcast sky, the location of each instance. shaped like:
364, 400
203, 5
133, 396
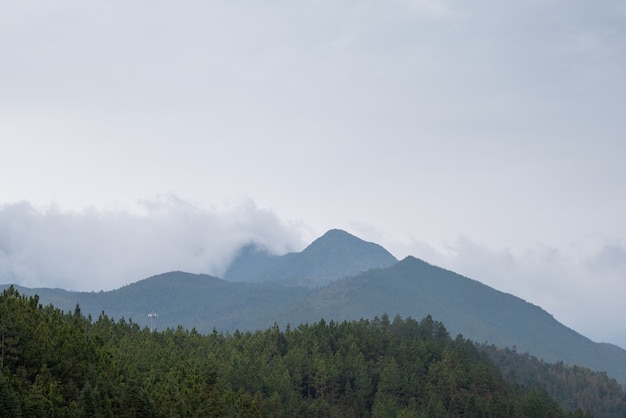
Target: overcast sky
486, 137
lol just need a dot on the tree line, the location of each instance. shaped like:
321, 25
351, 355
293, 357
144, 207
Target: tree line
63, 364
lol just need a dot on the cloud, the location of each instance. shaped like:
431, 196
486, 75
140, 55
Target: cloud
104, 249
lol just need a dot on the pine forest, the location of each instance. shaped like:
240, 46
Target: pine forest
66, 364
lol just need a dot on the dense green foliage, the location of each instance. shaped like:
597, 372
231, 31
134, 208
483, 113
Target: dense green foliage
64, 364
571, 386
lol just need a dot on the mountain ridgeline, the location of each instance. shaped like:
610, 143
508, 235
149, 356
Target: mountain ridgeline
340, 277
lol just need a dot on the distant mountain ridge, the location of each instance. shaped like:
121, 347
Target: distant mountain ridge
411, 287
333, 256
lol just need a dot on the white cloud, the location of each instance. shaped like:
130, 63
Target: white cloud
95, 249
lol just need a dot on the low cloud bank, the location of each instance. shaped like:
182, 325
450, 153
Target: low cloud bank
101, 250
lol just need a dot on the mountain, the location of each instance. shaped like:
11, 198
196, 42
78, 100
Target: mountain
335, 255
410, 287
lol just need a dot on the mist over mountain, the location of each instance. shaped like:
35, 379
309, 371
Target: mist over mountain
335, 255
250, 262
287, 290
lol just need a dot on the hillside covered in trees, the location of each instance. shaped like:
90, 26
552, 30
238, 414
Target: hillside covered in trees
571, 386
65, 364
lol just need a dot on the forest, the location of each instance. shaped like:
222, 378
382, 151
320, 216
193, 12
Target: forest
65, 364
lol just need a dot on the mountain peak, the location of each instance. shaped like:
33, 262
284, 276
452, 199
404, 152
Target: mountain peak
337, 242
336, 237
337, 233
335, 255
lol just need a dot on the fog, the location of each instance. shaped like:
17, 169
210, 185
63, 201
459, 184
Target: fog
96, 250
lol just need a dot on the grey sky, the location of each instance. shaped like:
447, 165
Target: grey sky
484, 136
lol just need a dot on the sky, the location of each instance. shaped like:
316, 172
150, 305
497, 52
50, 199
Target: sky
486, 137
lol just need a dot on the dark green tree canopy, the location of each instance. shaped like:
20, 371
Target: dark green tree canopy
66, 365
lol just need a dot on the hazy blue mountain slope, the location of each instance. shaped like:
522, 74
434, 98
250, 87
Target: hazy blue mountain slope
203, 302
335, 255
190, 300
